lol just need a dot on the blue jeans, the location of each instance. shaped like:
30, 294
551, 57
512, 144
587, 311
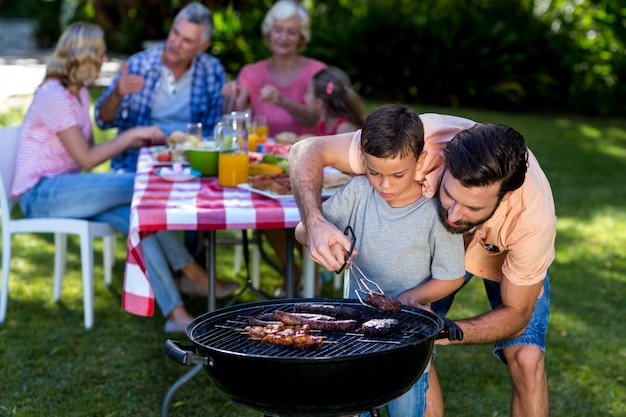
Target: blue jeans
106, 197
100, 197
535, 333
412, 403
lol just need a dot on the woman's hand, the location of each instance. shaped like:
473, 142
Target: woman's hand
230, 89
270, 94
146, 136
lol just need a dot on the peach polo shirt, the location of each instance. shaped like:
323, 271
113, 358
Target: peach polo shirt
523, 228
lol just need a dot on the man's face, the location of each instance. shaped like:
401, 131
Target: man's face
462, 208
183, 43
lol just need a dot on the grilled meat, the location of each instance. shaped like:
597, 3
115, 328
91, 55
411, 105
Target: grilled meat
262, 320
316, 321
380, 327
383, 302
282, 335
337, 311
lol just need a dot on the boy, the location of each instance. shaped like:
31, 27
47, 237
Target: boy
400, 241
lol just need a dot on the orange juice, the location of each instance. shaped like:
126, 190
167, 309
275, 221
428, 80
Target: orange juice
252, 140
232, 168
261, 132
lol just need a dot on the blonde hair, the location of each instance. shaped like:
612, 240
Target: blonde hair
286, 9
76, 58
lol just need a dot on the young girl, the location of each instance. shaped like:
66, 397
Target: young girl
340, 108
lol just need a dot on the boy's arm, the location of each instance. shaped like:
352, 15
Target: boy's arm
432, 290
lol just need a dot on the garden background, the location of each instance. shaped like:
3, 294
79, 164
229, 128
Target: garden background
554, 70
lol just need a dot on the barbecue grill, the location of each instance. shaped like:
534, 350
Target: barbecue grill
350, 373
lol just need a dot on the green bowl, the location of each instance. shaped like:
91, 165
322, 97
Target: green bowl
203, 160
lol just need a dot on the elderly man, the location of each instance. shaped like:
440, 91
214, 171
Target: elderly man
170, 85
492, 189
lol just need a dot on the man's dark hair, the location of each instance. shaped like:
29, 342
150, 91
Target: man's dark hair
488, 153
392, 130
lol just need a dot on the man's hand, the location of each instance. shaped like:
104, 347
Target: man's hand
328, 245
128, 83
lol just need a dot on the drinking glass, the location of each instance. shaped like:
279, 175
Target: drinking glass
194, 132
260, 128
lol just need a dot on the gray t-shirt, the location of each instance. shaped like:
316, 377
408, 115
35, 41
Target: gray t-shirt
399, 248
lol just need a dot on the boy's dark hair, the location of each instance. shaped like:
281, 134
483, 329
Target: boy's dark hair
392, 130
488, 153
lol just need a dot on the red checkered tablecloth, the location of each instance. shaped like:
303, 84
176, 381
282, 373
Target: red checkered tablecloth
199, 204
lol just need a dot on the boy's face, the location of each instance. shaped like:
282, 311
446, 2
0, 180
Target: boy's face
394, 179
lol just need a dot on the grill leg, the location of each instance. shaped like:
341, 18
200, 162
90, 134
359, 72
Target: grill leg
170, 393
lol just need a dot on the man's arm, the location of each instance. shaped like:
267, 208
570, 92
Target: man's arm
125, 84
506, 321
307, 160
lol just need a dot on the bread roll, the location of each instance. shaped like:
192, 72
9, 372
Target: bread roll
177, 136
335, 180
288, 138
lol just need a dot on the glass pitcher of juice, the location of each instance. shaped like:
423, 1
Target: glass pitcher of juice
231, 137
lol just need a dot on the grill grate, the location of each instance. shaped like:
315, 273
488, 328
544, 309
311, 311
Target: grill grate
224, 332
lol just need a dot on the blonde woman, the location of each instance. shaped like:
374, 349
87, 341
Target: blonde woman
56, 145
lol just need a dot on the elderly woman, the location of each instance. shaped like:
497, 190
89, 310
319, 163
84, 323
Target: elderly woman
276, 86
56, 144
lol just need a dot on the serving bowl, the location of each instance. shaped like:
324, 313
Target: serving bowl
203, 159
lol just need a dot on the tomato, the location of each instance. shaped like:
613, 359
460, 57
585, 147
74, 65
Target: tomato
164, 157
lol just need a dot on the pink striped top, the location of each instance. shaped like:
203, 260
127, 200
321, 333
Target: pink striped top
40, 152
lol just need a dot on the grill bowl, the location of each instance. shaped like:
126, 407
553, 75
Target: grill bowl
353, 373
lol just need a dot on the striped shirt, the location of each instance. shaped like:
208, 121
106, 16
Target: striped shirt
40, 152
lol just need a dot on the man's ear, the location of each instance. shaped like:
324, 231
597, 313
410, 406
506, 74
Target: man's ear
420, 161
204, 46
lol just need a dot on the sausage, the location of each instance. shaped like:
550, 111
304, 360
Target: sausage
383, 302
337, 311
260, 320
316, 321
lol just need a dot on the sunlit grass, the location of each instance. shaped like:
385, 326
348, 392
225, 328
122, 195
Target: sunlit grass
51, 366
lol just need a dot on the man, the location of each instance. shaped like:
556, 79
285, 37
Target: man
170, 85
492, 190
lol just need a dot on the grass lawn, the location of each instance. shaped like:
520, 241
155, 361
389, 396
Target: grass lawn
51, 366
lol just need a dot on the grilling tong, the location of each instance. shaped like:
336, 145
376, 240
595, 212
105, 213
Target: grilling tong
366, 285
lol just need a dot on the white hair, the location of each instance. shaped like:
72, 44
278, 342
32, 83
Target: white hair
286, 9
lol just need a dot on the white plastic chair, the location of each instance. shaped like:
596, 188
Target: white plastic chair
60, 227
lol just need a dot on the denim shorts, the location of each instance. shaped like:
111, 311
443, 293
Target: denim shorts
535, 333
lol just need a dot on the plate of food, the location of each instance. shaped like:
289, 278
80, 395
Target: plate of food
163, 156
175, 175
278, 186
